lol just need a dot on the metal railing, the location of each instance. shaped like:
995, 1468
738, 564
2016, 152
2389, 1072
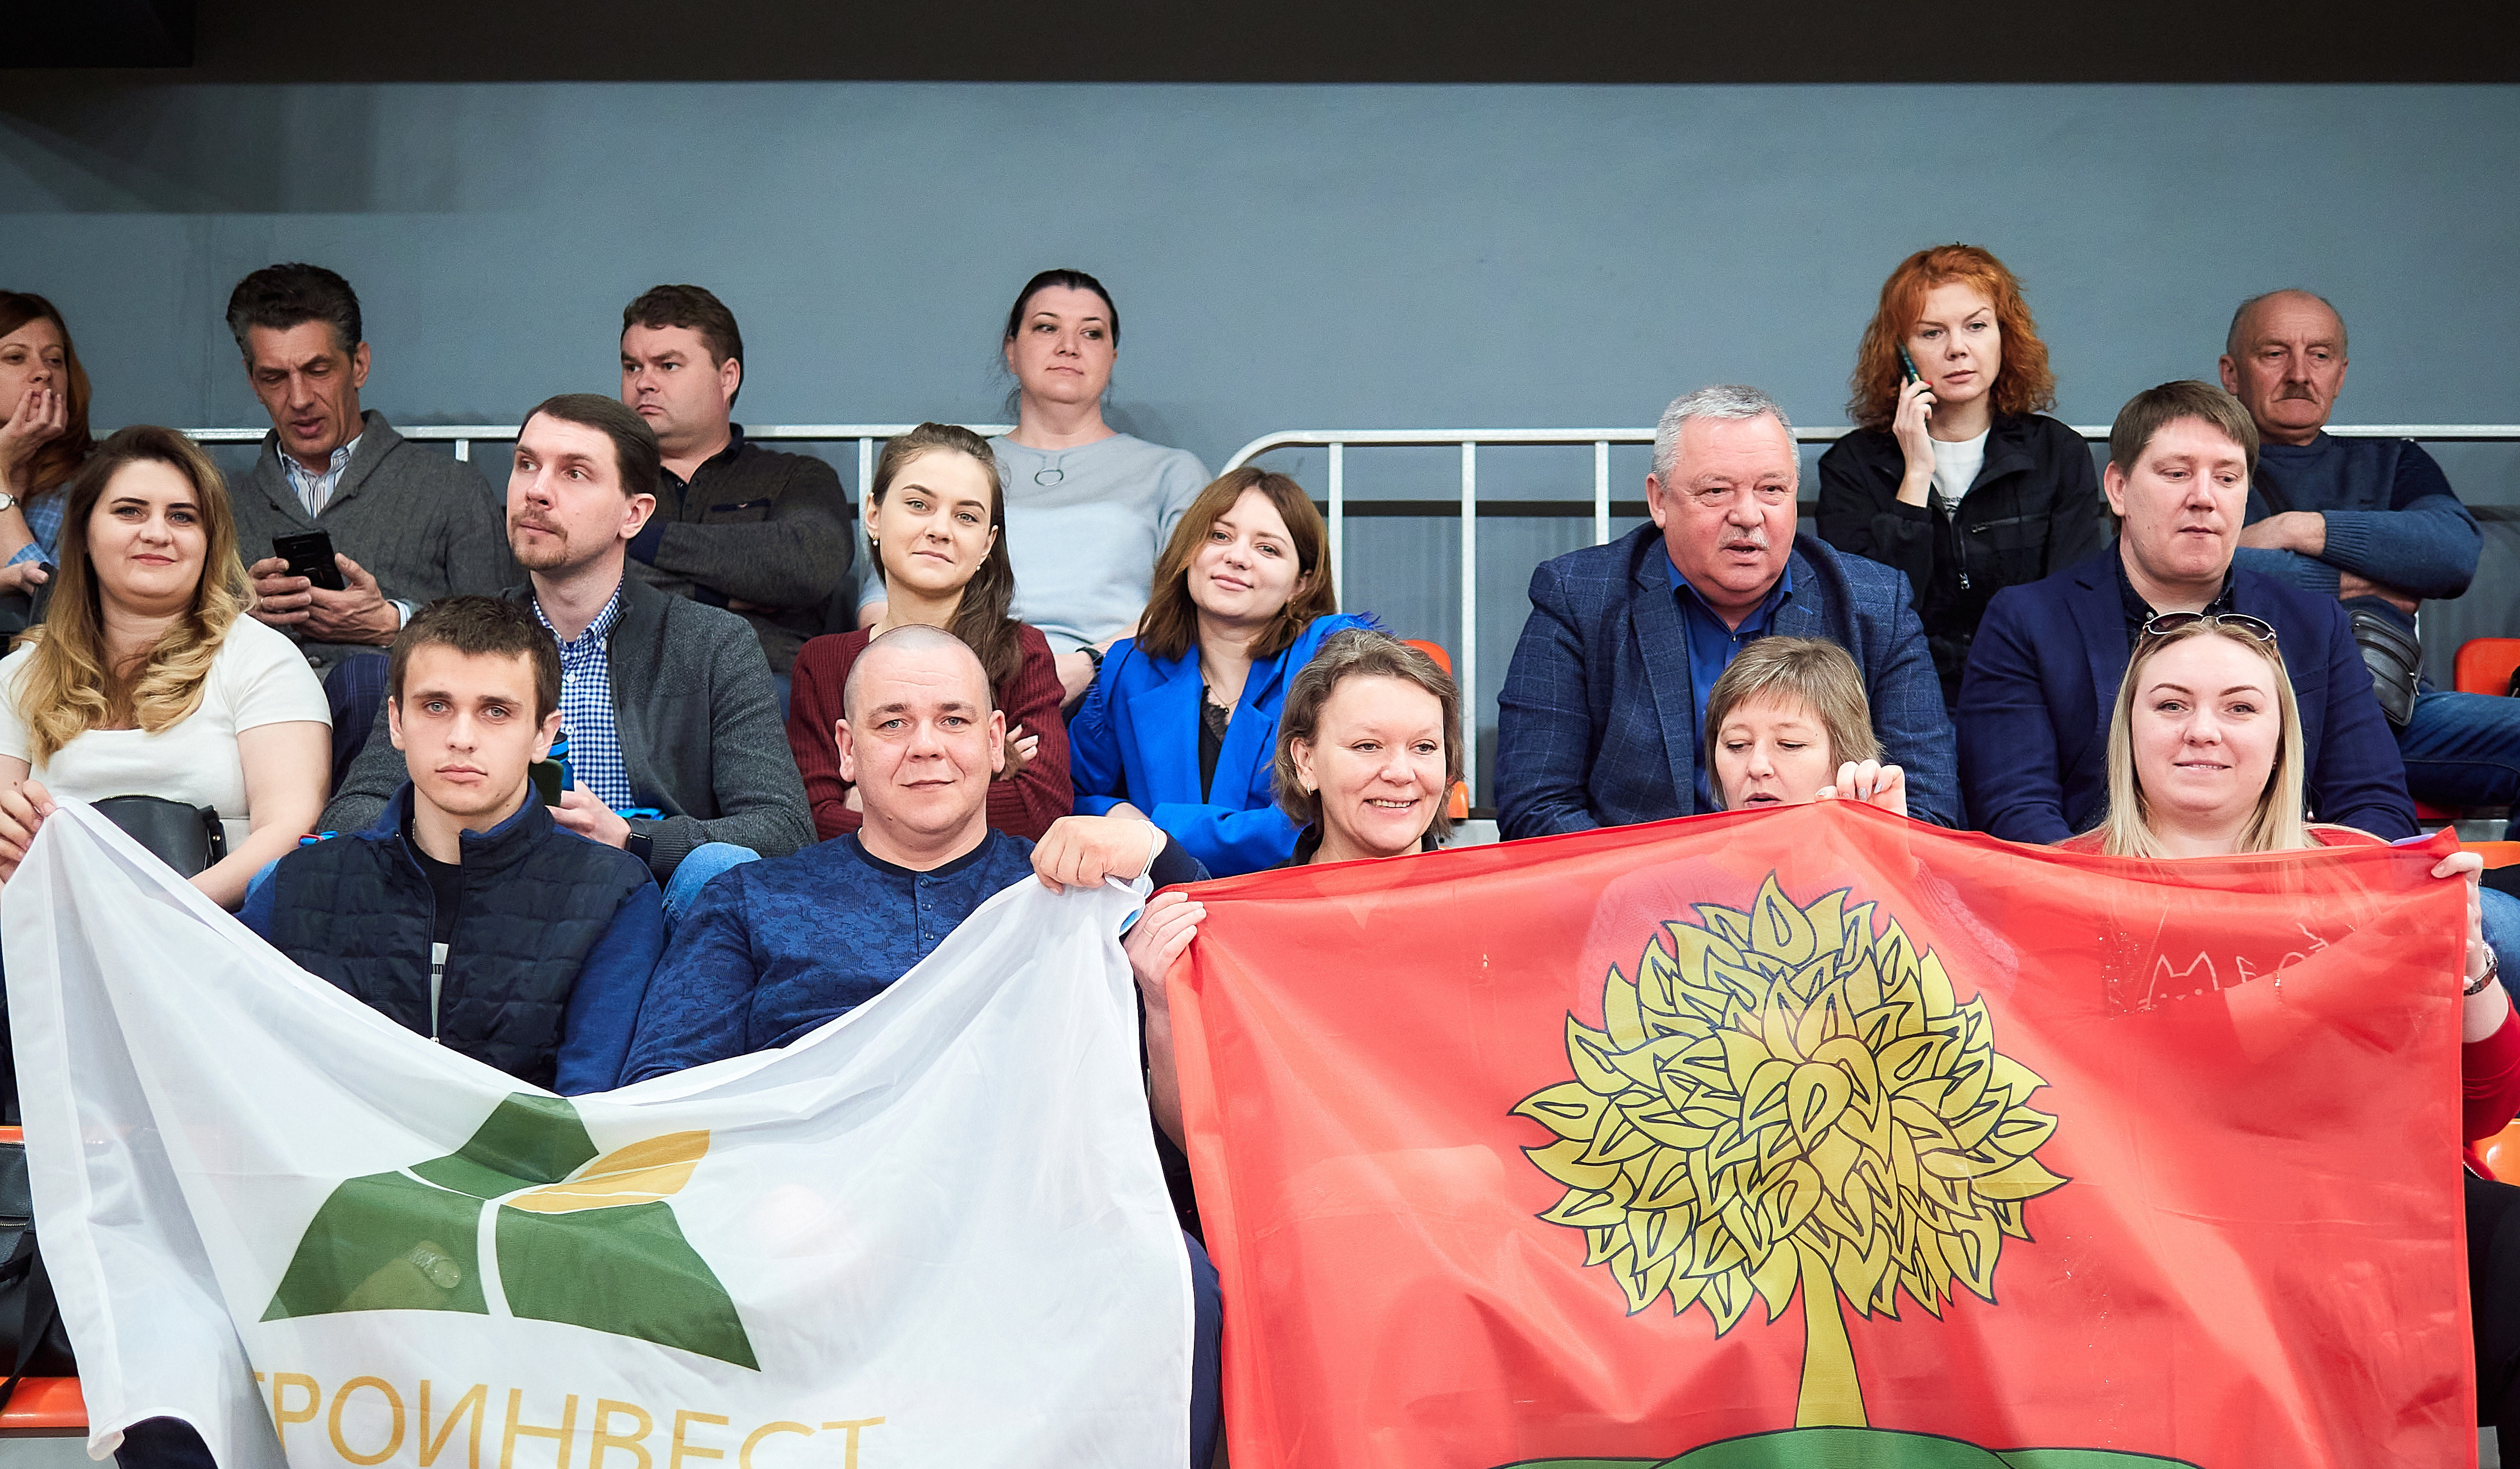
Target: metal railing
1465, 668
464, 435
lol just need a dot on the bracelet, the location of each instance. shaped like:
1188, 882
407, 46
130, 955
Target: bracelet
1093, 655
1153, 851
2493, 972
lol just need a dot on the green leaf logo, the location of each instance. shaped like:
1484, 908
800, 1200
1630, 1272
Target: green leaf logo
526, 1219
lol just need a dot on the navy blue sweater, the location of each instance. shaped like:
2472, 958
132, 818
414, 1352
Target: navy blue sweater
776, 947
2392, 518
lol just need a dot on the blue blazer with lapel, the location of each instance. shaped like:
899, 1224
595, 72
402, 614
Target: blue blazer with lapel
1597, 725
1136, 740
2042, 681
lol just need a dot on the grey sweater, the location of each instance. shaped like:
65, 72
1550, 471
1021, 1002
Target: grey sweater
699, 729
422, 523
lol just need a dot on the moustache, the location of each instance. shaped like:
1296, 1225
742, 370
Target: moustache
2300, 390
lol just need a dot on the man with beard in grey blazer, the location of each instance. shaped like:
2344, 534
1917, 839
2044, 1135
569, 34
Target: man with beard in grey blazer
676, 746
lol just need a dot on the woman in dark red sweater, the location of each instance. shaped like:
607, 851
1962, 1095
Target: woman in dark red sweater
937, 526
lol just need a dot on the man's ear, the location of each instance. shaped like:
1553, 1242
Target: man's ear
544, 737
848, 754
730, 378
2113, 483
359, 367
1654, 494
997, 742
2230, 371
393, 720
634, 515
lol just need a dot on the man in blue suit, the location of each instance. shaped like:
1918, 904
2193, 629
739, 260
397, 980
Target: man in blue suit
2044, 672
1597, 724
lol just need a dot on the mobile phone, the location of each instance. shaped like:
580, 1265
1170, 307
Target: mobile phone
1907, 366
550, 779
309, 554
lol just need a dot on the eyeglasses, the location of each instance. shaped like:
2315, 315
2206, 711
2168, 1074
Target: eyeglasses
2239, 622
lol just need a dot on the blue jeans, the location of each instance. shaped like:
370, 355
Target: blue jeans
2463, 749
693, 872
2502, 914
355, 690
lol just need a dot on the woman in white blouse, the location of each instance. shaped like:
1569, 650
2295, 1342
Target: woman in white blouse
146, 679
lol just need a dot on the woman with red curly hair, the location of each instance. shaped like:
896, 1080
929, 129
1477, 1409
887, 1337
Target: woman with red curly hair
1953, 476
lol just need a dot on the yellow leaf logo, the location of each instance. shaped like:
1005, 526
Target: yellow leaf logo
640, 1174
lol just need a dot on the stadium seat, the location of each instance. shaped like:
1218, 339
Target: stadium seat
1435, 650
2483, 665
2495, 854
2501, 1153
42, 1408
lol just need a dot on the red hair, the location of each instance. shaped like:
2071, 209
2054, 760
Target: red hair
2024, 384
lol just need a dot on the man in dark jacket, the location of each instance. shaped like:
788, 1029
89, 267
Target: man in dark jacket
465, 913
675, 739
737, 525
2044, 673
2374, 523
1598, 724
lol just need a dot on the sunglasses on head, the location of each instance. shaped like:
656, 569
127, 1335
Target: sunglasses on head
2239, 622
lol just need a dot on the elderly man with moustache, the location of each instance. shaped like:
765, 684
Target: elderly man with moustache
1597, 724
2374, 523
774, 949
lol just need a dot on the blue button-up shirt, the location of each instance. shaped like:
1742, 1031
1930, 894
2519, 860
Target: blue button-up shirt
586, 706
44, 520
1712, 647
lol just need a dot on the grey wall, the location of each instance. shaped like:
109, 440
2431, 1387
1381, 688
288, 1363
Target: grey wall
1285, 257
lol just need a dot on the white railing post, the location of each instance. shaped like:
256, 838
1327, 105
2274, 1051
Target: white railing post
866, 472
464, 451
1600, 492
1338, 524
1467, 672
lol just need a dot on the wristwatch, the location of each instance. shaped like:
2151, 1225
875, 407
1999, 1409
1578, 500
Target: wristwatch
8, 502
2493, 972
642, 846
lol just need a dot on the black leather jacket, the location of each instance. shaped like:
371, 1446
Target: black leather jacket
2033, 509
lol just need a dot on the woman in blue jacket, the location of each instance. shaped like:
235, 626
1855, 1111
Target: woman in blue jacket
1180, 726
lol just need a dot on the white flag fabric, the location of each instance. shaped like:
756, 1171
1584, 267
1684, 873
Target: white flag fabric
932, 1233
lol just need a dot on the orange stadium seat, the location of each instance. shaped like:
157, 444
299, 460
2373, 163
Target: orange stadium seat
42, 1408
1434, 651
2483, 665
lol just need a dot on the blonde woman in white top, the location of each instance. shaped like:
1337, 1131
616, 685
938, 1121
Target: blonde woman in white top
146, 679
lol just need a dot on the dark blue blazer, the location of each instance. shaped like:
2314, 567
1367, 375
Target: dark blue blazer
2043, 679
1136, 740
1597, 722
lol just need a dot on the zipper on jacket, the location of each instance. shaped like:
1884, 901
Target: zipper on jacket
437, 983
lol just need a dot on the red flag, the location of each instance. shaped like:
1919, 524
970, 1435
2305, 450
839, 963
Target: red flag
1821, 1136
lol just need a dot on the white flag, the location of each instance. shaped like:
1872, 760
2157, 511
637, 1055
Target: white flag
932, 1233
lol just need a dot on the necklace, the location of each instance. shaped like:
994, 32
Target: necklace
1051, 475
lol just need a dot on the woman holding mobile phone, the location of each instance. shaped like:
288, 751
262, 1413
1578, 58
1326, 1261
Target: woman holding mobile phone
1954, 477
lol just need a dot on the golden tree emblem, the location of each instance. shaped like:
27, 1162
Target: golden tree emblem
1782, 1097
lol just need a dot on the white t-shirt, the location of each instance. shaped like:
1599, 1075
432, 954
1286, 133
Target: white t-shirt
257, 677
1955, 466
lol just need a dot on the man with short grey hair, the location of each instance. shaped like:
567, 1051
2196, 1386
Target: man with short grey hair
1599, 723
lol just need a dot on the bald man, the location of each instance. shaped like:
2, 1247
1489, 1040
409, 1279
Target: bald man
2372, 522
773, 948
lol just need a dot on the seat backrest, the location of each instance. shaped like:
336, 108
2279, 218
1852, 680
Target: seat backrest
1444, 660
2485, 665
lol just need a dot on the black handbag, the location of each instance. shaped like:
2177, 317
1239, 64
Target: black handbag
187, 838
40, 1345
2395, 660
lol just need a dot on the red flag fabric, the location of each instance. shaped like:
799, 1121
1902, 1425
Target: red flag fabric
1819, 1136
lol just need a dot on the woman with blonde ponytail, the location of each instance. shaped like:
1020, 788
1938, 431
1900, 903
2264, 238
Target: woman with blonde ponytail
146, 679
